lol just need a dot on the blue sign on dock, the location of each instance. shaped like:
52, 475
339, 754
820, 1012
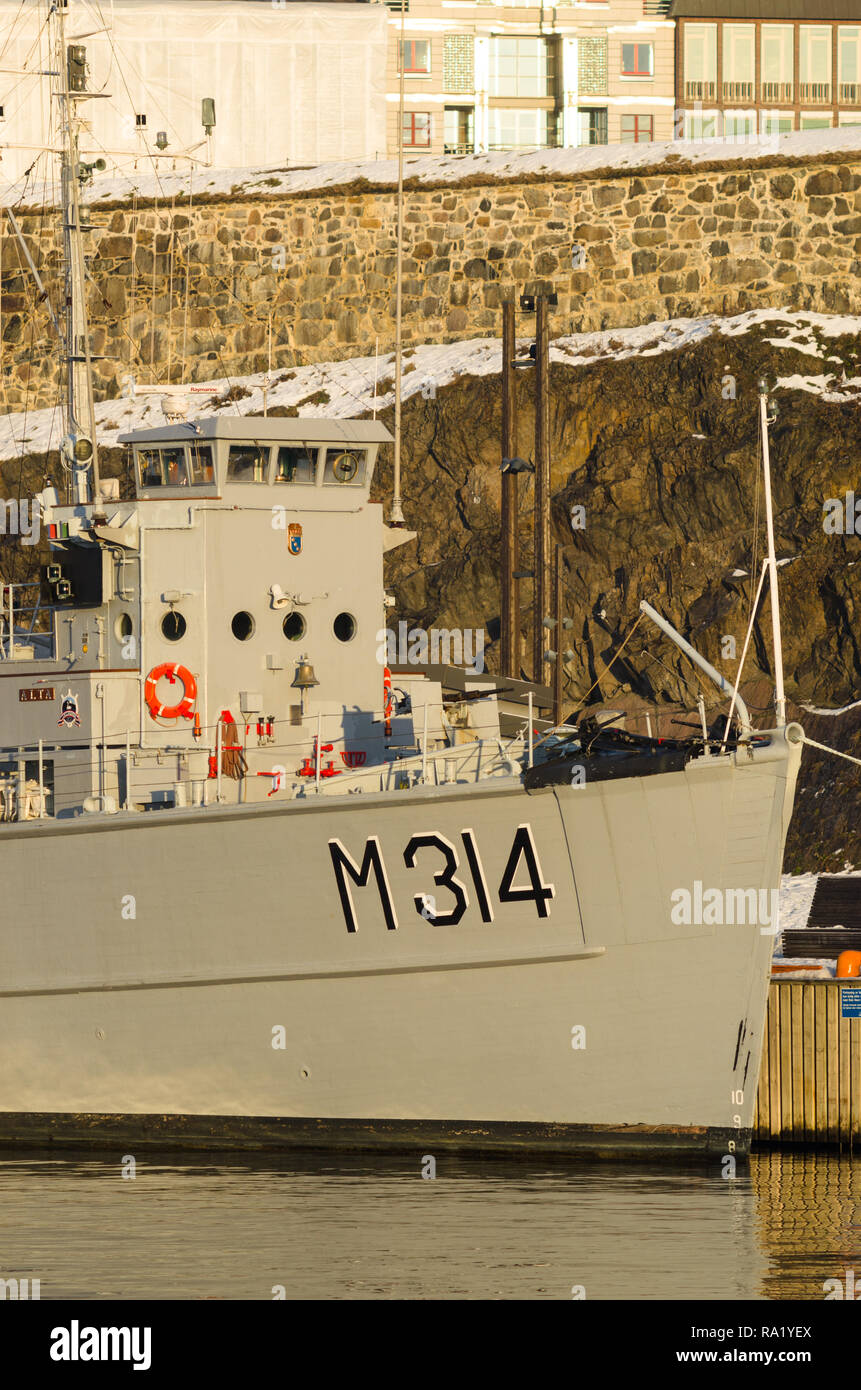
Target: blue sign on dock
850, 1003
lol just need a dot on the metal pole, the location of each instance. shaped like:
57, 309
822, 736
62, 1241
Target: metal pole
529, 702
698, 659
218, 761
317, 759
779, 695
542, 583
510, 597
41, 784
128, 804
425, 746
396, 516
557, 613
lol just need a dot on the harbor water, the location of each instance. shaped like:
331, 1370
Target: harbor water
343, 1227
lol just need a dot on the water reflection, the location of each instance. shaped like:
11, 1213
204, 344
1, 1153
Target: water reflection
341, 1227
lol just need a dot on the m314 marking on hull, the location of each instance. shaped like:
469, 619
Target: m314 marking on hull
523, 848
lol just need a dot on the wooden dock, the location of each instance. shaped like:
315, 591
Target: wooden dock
810, 1080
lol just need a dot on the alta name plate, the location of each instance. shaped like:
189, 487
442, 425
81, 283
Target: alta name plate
36, 692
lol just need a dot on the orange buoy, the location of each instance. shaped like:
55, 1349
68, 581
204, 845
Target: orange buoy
848, 965
185, 707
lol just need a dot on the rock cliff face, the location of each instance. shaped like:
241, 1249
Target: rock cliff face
662, 455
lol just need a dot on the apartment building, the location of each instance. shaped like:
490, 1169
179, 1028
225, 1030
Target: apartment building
747, 67
498, 75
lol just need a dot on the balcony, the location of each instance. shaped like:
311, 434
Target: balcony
778, 92
815, 93
700, 91
850, 93
738, 91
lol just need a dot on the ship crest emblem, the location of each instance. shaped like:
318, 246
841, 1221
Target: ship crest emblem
69, 716
294, 538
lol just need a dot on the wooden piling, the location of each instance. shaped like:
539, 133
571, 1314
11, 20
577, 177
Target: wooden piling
810, 1080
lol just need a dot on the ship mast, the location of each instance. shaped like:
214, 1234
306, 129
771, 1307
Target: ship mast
396, 516
777, 642
80, 447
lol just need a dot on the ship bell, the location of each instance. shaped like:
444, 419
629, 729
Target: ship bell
304, 678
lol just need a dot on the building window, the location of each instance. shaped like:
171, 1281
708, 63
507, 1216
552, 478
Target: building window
700, 125
849, 64
739, 59
638, 59
739, 126
593, 126
773, 123
700, 65
813, 122
814, 63
417, 129
417, 53
521, 68
459, 129
637, 130
521, 129
777, 65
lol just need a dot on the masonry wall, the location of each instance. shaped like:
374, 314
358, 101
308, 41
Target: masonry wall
617, 250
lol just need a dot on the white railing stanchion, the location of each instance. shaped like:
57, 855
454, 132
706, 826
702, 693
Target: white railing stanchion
425, 745
218, 761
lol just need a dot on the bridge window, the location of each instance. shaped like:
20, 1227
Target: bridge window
296, 465
345, 466
172, 467
173, 464
247, 463
149, 463
200, 464
293, 627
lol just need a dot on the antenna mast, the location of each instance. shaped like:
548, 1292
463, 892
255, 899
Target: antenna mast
80, 447
396, 516
779, 696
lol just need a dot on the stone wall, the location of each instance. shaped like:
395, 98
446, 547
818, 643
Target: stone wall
618, 250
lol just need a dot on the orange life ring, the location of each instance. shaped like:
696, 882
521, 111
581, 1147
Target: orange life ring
185, 708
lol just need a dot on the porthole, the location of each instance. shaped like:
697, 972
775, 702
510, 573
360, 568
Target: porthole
293, 627
344, 627
173, 626
242, 626
123, 627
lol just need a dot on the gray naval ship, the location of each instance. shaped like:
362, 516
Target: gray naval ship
262, 893
257, 896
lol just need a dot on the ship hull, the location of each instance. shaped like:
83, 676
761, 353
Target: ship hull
466, 967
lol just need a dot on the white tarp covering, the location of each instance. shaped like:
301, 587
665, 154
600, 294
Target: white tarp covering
293, 84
